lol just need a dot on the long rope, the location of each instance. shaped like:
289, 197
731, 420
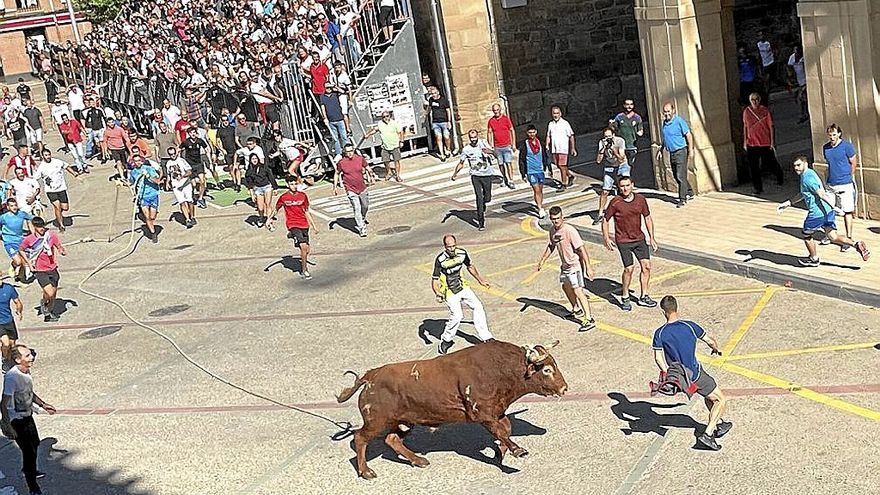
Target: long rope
127, 251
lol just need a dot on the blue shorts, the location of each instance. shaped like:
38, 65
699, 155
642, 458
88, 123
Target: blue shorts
11, 248
610, 175
149, 202
504, 154
263, 189
812, 224
440, 128
535, 179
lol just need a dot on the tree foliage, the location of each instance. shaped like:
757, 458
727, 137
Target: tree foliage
99, 11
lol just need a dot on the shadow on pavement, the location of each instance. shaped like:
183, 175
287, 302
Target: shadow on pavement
467, 216
434, 328
783, 259
466, 439
875, 230
289, 262
604, 288
642, 418
346, 223
65, 475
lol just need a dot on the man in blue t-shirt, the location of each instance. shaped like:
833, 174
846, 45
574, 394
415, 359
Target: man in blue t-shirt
676, 342
8, 331
820, 214
842, 160
14, 225
145, 179
679, 142
533, 159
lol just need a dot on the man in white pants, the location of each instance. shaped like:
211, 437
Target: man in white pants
451, 288
181, 184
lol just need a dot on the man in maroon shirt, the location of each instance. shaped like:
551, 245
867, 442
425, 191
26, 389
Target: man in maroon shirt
759, 142
72, 132
627, 210
502, 137
297, 219
352, 168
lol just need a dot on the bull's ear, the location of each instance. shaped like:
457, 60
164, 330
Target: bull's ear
531, 369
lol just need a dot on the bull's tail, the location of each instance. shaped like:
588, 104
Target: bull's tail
349, 391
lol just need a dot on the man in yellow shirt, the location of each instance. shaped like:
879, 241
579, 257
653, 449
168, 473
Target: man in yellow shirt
392, 135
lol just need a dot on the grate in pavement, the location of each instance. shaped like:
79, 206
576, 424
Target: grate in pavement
169, 310
99, 332
394, 230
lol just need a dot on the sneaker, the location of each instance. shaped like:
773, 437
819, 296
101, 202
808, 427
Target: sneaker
560, 189
808, 261
587, 325
51, 317
189, 223
511, 186
709, 442
626, 305
681, 204
202, 204
570, 181
845, 248
481, 228
155, 238
722, 428
862, 249
195, 222
444, 347
363, 233
306, 275
597, 220
825, 241
579, 314
541, 213
271, 227
646, 301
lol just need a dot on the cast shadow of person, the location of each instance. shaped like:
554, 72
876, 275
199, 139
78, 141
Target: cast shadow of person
642, 418
467, 216
432, 327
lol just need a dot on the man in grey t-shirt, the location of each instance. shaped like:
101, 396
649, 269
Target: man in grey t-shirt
612, 157
477, 155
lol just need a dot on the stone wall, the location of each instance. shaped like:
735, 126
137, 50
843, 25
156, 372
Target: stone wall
582, 55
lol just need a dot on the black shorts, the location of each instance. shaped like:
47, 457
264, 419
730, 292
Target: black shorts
9, 330
628, 249
705, 383
60, 196
385, 16
197, 168
47, 278
120, 155
299, 235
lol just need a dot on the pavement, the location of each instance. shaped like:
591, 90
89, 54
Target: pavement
136, 418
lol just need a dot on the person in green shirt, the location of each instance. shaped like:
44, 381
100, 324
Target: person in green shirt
392, 135
628, 125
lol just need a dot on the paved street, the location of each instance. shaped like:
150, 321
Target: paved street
135, 418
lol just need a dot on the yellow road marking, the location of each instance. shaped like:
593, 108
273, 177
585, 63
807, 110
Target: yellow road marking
806, 350
527, 226
624, 333
746, 325
530, 278
675, 273
513, 269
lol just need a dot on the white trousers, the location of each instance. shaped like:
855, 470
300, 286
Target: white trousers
469, 299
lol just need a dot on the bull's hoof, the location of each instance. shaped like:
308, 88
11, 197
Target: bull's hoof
519, 452
368, 474
420, 461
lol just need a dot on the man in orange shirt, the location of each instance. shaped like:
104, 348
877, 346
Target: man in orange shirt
117, 145
135, 140
759, 142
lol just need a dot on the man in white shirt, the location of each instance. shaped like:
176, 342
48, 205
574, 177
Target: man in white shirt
798, 74
76, 101
180, 173
57, 109
170, 113
51, 172
768, 60
27, 192
560, 142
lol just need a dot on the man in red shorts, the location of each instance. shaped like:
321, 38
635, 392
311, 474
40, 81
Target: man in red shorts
297, 219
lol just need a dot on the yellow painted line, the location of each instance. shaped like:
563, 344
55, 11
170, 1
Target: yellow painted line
528, 226
675, 273
531, 278
513, 269
624, 333
806, 350
746, 325
806, 393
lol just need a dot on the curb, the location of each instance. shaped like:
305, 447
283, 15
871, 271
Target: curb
769, 275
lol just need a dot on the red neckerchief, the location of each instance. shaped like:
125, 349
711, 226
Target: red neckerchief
534, 145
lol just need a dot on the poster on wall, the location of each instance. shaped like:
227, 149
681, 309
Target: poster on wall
393, 95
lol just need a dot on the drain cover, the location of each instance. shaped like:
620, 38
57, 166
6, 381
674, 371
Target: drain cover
99, 332
169, 310
182, 247
394, 230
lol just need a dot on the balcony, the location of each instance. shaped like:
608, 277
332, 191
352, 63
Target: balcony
24, 8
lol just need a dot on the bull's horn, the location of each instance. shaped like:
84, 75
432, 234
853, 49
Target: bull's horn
551, 345
532, 355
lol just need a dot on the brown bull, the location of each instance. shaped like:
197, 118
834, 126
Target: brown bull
476, 385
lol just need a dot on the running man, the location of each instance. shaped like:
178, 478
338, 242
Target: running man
627, 209
146, 180
351, 171
180, 174
8, 331
502, 137
560, 142
51, 171
192, 147
451, 288
675, 343
14, 225
574, 263
297, 219
38, 251
533, 159
820, 214
27, 192
477, 153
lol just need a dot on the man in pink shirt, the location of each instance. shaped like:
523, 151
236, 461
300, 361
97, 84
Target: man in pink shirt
502, 137
575, 261
117, 145
38, 250
351, 169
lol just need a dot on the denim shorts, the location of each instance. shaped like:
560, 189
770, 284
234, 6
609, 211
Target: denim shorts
149, 202
263, 189
535, 179
440, 128
610, 175
504, 154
